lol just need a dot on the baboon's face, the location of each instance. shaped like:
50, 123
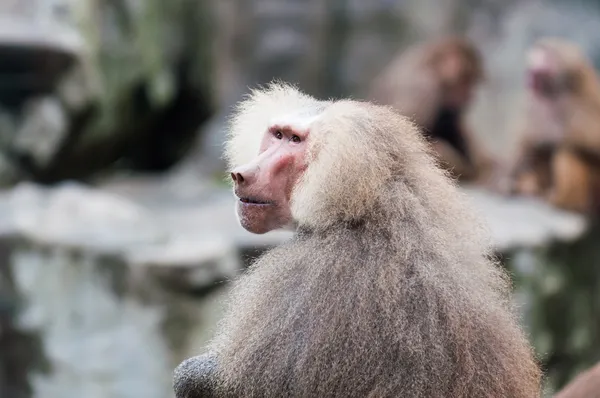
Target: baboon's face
546, 78
264, 186
458, 82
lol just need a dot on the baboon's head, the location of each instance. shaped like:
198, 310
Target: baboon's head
293, 159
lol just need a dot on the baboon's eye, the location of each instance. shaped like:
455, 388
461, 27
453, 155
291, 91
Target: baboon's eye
296, 139
278, 134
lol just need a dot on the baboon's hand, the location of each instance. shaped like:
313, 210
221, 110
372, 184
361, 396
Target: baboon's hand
195, 377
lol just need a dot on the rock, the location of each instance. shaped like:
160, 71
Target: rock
525, 223
42, 132
95, 285
97, 341
123, 85
78, 217
31, 30
39, 24
177, 262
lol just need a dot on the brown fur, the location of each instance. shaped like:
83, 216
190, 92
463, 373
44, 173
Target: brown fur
386, 290
559, 154
412, 83
586, 385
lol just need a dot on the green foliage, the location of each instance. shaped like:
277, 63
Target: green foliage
561, 290
141, 45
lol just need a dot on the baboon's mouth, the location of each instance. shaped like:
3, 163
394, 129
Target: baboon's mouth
253, 201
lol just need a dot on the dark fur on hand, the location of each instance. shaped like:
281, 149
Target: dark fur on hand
195, 377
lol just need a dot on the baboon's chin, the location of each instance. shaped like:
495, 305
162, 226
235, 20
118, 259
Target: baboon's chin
253, 220
263, 218
255, 229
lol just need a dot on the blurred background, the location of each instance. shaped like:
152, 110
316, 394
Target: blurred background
117, 229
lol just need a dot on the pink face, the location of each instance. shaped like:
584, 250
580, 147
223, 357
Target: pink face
542, 73
264, 186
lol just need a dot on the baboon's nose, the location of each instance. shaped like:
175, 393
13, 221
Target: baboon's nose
237, 177
245, 174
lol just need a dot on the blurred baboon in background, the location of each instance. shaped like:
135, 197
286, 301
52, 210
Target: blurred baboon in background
433, 83
387, 288
559, 152
585, 385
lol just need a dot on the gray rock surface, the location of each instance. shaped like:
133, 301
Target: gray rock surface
525, 222
114, 77
43, 131
76, 216
101, 282
98, 343
39, 23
